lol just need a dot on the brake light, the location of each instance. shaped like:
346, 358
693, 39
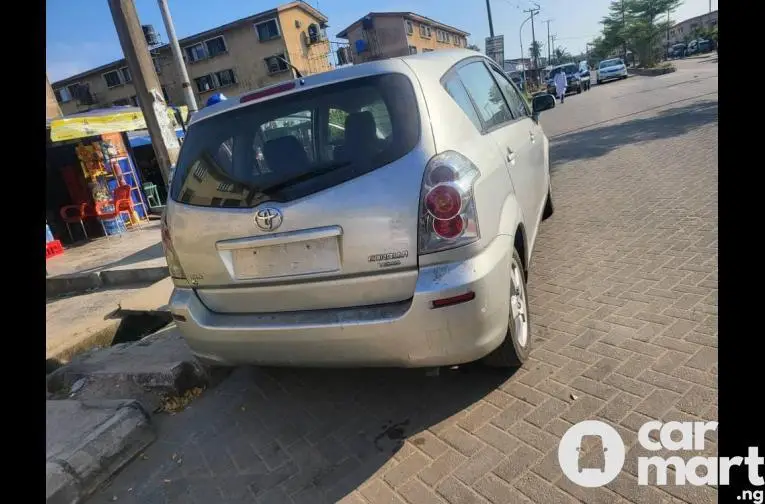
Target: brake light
448, 216
173, 264
281, 88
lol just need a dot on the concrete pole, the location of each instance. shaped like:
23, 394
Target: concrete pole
52, 108
491, 25
147, 86
180, 65
520, 39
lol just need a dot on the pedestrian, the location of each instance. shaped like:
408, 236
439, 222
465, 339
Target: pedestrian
560, 84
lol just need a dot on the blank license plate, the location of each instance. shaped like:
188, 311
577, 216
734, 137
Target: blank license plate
288, 259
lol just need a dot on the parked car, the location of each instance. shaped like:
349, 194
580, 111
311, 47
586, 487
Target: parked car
677, 51
402, 240
699, 46
611, 69
572, 76
584, 75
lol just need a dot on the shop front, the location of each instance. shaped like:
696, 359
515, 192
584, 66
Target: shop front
95, 186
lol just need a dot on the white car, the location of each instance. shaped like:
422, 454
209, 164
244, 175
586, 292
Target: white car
611, 69
403, 239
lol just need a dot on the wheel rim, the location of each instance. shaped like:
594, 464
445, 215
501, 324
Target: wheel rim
519, 317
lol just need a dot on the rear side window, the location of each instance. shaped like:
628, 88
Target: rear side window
516, 102
289, 147
457, 91
485, 93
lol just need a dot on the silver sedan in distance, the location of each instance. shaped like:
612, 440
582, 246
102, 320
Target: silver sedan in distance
381, 214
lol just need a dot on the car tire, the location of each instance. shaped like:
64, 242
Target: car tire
549, 208
516, 347
599, 82
579, 90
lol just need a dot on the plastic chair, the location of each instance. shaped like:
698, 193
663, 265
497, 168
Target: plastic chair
123, 203
76, 214
152, 195
107, 210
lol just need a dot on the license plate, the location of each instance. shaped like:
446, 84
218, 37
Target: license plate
288, 259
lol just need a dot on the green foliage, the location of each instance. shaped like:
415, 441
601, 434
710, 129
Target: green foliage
474, 47
535, 50
638, 25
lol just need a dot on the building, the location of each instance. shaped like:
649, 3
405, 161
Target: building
233, 58
380, 35
684, 31
52, 110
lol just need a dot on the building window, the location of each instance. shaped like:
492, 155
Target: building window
267, 30
425, 49
409, 27
215, 46
205, 83
412, 49
112, 79
425, 31
225, 78
276, 64
125, 74
122, 102
195, 52
66, 94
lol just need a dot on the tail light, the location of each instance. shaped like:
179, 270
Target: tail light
448, 217
173, 264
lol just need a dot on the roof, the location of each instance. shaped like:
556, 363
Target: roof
407, 15
200, 36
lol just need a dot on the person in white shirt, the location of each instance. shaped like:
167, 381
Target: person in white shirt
560, 85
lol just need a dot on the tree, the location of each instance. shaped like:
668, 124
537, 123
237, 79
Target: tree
535, 50
561, 55
474, 47
649, 22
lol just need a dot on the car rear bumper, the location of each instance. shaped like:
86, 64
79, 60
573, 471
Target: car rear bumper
614, 75
411, 333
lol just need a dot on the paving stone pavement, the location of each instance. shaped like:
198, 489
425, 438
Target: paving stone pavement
623, 295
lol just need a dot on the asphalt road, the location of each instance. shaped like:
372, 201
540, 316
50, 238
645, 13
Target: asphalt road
623, 293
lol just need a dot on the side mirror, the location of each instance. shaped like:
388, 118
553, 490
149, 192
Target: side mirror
542, 102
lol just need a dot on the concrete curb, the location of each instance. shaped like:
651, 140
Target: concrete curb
82, 282
74, 475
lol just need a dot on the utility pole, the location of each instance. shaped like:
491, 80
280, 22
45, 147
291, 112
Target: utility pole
180, 66
624, 32
552, 41
549, 54
491, 25
149, 92
532, 13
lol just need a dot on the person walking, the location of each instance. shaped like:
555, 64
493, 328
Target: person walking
560, 84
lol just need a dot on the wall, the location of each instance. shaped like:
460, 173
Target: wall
51, 105
389, 39
432, 42
103, 95
309, 59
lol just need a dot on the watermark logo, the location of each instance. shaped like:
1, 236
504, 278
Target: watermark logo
591, 454
598, 465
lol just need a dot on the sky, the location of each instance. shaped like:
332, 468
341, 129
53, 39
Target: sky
80, 34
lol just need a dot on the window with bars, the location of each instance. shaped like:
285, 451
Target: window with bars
267, 30
425, 31
67, 93
276, 64
412, 49
215, 46
112, 79
205, 83
409, 27
225, 78
125, 75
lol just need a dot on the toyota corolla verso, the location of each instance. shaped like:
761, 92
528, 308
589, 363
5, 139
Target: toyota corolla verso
382, 214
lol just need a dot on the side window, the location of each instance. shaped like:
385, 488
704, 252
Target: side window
514, 99
486, 94
457, 91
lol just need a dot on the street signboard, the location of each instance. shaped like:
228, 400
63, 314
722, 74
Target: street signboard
495, 48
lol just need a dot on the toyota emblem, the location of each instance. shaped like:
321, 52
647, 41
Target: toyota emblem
268, 219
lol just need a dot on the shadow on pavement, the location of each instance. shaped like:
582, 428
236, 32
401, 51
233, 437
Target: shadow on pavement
596, 142
313, 434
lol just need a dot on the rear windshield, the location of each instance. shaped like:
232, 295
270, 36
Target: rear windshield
609, 63
568, 69
289, 147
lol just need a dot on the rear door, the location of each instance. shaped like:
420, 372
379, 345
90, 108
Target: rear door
305, 201
511, 134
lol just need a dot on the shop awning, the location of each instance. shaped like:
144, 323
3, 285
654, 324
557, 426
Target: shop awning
140, 138
103, 121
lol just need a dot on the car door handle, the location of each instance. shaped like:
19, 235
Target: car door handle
510, 156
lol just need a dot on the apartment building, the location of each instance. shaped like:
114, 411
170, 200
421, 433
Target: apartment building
233, 58
685, 30
380, 35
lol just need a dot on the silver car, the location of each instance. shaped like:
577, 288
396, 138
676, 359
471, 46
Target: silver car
401, 238
611, 69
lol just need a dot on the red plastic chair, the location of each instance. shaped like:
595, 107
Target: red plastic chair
123, 202
76, 214
103, 214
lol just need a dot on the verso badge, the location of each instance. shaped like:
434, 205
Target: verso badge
268, 219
